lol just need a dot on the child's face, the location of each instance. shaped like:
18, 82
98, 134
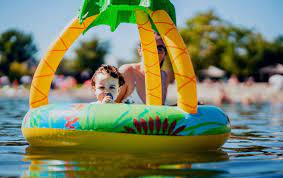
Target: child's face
105, 84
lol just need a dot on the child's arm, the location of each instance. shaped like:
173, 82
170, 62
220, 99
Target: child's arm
125, 90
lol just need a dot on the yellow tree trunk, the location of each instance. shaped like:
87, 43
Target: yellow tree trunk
180, 59
151, 60
47, 67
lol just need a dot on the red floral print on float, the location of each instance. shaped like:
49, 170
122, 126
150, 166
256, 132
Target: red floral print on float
70, 122
154, 127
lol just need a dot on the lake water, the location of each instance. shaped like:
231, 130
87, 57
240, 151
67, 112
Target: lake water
255, 149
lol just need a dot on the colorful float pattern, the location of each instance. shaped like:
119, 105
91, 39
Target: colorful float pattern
132, 119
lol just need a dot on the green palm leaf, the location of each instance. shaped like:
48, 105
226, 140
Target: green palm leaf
114, 12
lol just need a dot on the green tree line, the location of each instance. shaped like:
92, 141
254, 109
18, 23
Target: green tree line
238, 50
17, 51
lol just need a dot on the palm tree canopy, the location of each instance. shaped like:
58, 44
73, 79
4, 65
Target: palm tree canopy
114, 12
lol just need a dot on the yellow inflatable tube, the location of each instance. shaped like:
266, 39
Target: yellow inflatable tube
48, 65
107, 141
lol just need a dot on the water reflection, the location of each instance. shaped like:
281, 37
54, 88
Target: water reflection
63, 162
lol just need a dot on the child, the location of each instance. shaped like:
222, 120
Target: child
106, 83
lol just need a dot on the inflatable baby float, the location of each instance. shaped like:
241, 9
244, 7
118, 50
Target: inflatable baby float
126, 127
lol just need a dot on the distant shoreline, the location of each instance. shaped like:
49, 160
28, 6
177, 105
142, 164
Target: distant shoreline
240, 93
207, 93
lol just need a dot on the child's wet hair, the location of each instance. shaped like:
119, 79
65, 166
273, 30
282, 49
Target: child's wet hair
111, 71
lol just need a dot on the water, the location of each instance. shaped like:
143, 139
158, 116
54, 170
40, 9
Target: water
254, 150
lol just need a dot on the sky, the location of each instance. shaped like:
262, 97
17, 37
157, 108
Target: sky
46, 19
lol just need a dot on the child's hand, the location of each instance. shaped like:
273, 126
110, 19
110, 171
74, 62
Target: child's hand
107, 99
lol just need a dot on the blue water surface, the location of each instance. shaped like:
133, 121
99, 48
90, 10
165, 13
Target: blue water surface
254, 149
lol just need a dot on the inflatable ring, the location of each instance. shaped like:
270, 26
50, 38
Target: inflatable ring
150, 127
126, 128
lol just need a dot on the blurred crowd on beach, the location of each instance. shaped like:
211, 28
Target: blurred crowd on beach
210, 91
232, 91
247, 92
